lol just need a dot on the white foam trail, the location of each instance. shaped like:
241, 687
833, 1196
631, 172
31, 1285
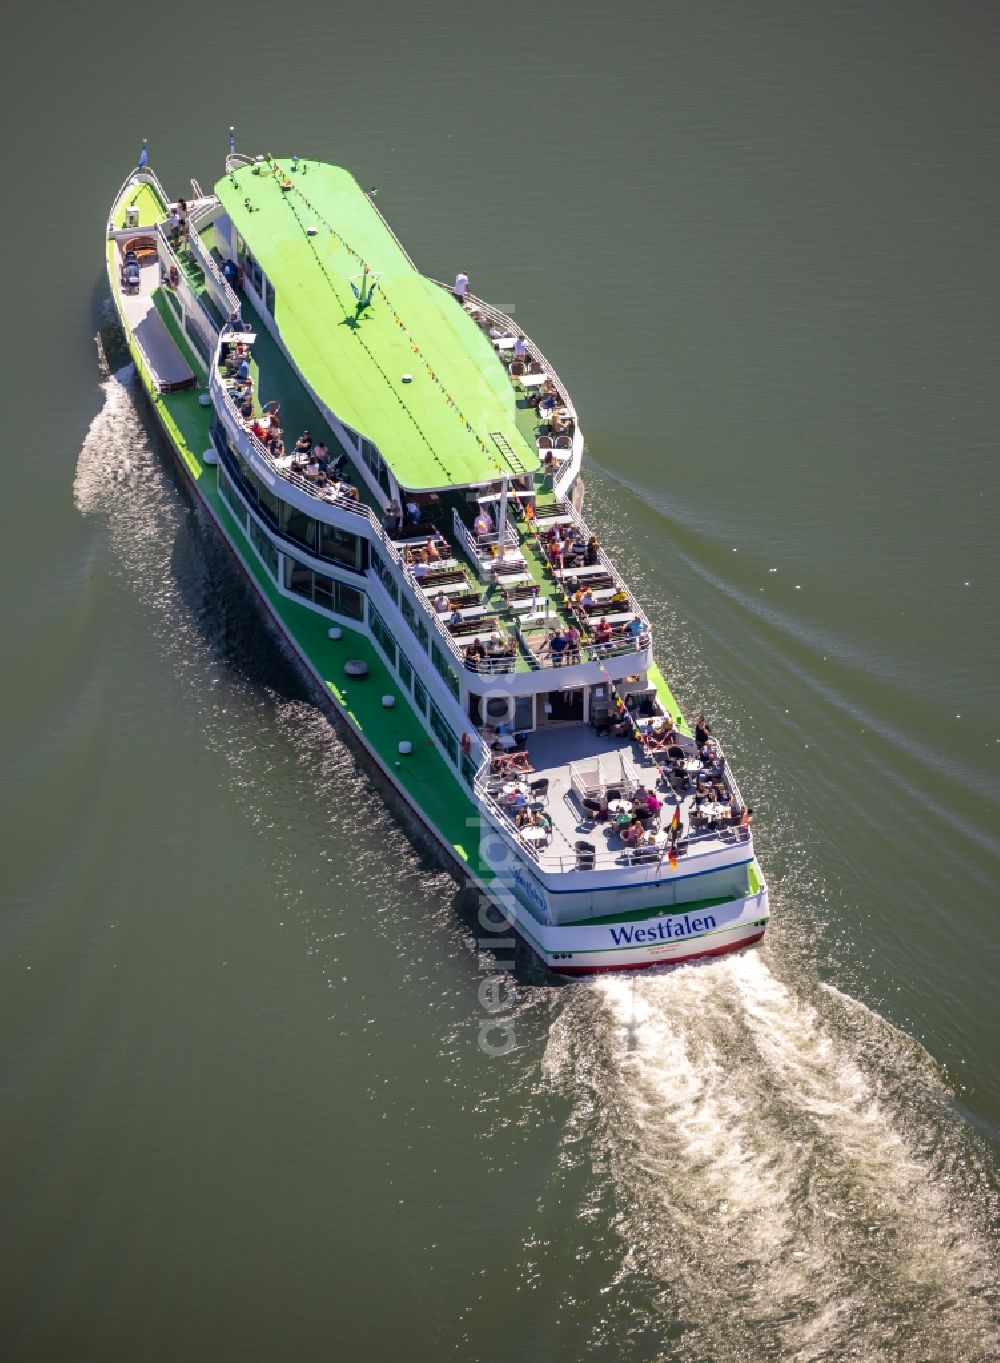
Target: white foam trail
786, 1197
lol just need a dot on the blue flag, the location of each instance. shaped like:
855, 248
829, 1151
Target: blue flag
232, 140
144, 155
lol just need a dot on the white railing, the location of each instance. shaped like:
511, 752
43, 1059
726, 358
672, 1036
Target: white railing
495, 315
472, 546
341, 502
207, 262
690, 847
144, 175
567, 468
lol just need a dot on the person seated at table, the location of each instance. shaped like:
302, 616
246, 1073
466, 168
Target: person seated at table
602, 632
276, 447
593, 551
524, 818
440, 603
650, 805
549, 462
431, 550
516, 800
304, 443
257, 429
636, 628
421, 568
634, 833
482, 525
456, 617
321, 454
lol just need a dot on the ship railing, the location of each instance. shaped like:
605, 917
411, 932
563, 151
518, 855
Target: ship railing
369, 195
472, 546
342, 502
689, 847
144, 175
236, 160
566, 469
494, 314
207, 261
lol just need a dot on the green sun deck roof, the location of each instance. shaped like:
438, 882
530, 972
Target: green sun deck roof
439, 429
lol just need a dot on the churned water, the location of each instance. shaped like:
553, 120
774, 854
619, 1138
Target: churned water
245, 1111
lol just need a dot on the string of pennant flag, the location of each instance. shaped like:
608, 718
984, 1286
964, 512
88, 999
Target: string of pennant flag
290, 188
420, 431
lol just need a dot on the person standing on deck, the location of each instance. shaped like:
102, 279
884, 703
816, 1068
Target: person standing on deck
461, 287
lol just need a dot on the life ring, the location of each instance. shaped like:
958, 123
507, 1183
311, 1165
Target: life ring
175, 276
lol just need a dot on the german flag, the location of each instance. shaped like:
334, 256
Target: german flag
672, 857
675, 822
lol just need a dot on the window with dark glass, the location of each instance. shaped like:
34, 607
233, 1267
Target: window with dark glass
405, 670
298, 578
339, 545
323, 593
350, 602
298, 526
269, 296
443, 733
420, 694
264, 548
268, 504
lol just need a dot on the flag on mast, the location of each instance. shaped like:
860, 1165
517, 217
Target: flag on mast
232, 140
144, 155
675, 822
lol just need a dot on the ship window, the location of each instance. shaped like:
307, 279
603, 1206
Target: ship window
267, 503
269, 296
298, 579
350, 602
382, 634
298, 526
447, 672
420, 695
229, 495
264, 548
405, 670
339, 545
443, 733
323, 591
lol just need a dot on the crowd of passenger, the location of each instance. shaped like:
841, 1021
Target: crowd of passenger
309, 458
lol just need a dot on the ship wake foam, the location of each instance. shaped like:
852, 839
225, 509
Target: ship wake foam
798, 1184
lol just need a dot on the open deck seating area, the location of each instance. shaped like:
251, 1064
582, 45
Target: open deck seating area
616, 792
311, 458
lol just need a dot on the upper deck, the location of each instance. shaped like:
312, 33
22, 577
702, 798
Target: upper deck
412, 372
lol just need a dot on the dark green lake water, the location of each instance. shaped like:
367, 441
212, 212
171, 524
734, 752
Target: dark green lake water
245, 1115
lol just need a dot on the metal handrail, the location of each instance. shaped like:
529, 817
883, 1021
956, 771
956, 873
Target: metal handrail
207, 262
337, 499
622, 859
140, 175
495, 315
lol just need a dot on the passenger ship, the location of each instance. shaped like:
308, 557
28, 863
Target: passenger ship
428, 562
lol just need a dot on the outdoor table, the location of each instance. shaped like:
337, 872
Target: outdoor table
535, 834
531, 380
714, 811
692, 764
512, 787
619, 806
